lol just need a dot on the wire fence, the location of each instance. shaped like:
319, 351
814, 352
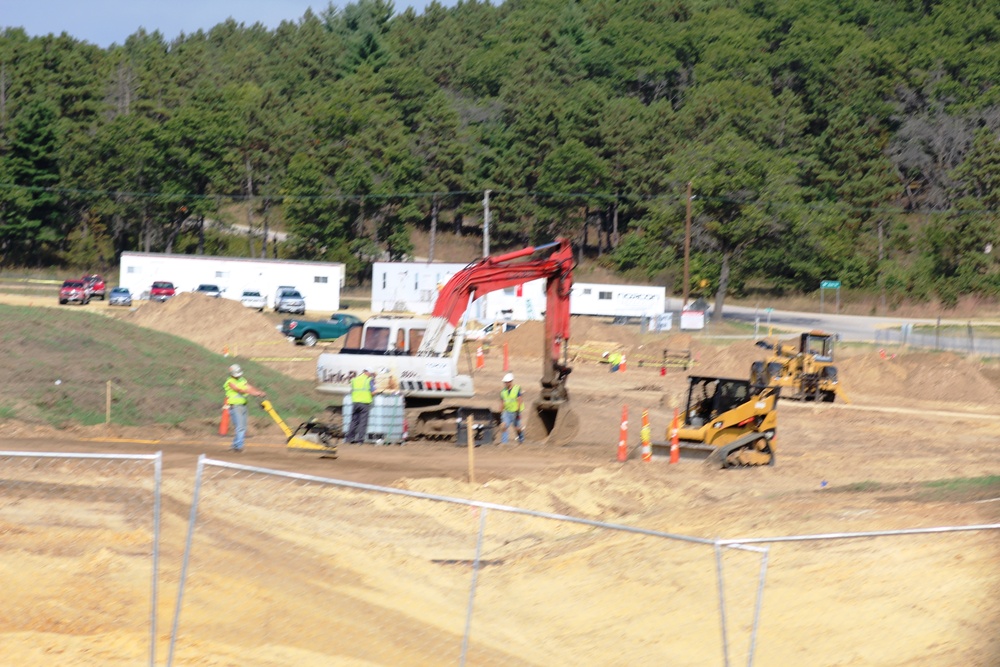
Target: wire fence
443, 581
356, 574
287, 569
969, 339
79, 555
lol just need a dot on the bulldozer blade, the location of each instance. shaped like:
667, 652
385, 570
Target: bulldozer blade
553, 424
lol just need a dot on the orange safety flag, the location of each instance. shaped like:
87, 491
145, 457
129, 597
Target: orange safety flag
224, 422
623, 436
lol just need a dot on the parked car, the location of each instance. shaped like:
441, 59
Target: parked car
253, 299
490, 330
288, 300
95, 284
308, 333
74, 290
161, 290
120, 296
209, 290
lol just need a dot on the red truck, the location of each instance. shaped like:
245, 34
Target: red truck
95, 284
161, 290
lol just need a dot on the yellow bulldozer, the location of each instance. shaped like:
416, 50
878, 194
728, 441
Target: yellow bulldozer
726, 422
803, 368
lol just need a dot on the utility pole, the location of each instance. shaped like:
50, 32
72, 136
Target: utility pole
687, 248
486, 224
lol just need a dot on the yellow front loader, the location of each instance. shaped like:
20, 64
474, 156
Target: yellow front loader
803, 368
310, 436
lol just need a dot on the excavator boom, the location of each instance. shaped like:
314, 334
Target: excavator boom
550, 417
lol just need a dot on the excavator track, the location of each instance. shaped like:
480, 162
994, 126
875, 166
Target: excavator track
749, 451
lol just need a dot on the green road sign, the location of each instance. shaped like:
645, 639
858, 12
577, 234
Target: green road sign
829, 284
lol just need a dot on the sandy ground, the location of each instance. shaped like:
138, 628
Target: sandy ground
307, 574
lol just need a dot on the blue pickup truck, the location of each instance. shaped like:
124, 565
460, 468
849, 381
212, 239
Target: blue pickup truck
308, 333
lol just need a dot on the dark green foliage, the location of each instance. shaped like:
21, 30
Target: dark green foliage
855, 141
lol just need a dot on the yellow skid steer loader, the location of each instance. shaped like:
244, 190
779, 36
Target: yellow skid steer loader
726, 422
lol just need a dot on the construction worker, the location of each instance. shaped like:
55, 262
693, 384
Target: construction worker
615, 360
511, 406
362, 392
237, 389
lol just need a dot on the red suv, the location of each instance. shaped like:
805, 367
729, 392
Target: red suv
74, 290
95, 284
161, 290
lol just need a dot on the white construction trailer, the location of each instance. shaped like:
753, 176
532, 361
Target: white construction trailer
617, 300
318, 282
412, 287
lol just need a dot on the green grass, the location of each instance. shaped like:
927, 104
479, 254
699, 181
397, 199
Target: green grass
962, 488
954, 489
57, 363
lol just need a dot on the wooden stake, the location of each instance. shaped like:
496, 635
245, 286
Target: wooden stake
472, 447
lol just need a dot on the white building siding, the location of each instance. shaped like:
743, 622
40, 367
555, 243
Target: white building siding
413, 288
617, 300
318, 282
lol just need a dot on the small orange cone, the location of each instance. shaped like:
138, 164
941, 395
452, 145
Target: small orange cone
675, 448
506, 358
224, 422
623, 436
622, 367
480, 359
646, 437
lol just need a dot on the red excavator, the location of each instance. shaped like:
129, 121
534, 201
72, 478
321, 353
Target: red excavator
423, 353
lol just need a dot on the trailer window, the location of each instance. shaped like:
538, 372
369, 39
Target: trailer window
352, 340
416, 337
377, 338
604, 296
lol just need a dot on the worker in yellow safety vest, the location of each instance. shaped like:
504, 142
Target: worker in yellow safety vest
615, 360
237, 389
511, 407
362, 393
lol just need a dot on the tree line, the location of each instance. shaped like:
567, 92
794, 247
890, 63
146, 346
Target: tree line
856, 141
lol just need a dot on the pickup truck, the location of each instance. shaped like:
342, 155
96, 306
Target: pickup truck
308, 333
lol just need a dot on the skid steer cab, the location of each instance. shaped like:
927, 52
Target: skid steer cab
727, 422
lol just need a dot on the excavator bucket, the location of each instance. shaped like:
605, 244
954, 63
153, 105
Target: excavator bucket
552, 423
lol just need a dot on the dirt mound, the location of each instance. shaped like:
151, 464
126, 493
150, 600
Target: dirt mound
732, 360
216, 324
926, 376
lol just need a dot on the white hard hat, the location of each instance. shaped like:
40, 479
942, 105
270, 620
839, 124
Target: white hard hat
604, 355
236, 371
509, 377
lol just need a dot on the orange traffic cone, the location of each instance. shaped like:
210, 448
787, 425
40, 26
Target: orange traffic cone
646, 437
506, 358
224, 422
675, 447
623, 436
480, 359
622, 367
